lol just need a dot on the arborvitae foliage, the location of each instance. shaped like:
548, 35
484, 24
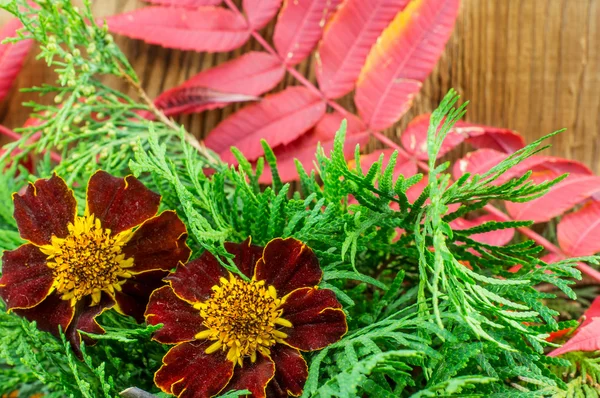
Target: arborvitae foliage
431, 311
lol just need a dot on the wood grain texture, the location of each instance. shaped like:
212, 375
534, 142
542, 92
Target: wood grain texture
532, 66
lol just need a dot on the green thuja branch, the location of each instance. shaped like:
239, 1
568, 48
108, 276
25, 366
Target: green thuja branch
431, 311
90, 124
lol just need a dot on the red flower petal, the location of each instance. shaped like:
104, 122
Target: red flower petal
159, 243
120, 203
50, 314
188, 372
181, 321
194, 280
135, 293
85, 320
288, 264
291, 372
26, 279
253, 377
246, 255
45, 209
317, 319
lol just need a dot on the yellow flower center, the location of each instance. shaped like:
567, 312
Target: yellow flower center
88, 261
242, 317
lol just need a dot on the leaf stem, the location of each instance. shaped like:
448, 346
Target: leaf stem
191, 139
289, 68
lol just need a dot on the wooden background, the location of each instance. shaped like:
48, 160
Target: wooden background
529, 65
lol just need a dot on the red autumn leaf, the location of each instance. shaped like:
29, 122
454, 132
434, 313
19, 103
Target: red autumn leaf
300, 26
586, 339
579, 232
349, 36
545, 168
279, 119
401, 60
563, 196
414, 138
12, 56
197, 99
260, 12
477, 162
592, 312
240, 79
480, 136
209, 29
185, 3
497, 238
286, 164
331, 122
404, 166
305, 147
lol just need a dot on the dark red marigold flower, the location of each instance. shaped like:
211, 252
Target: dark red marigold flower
233, 334
75, 267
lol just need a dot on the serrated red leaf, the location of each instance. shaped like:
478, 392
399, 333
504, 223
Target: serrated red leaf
260, 12
323, 131
401, 60
12, 56
545, 168
592, 312
211, 29
252, 74
300, 26
497, 238
414, 138
561, 197
185, 3
197, 99
478, 162
286, 164
578, 233
279, 119
480, 136
305, 147
347, 40
586, 339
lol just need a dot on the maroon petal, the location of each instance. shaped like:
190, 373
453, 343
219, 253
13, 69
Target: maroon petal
291, 372
50, 314
135, 293
45, 209
194, 280
181, 322
120, 203
188, 372
246, 255
288, 264
85, 320
26, 279
317, 319
158, 243
253, 377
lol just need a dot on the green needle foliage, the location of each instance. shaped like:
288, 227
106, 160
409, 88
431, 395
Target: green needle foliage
431, 311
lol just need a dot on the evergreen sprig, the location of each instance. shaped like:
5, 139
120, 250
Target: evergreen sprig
431, 311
